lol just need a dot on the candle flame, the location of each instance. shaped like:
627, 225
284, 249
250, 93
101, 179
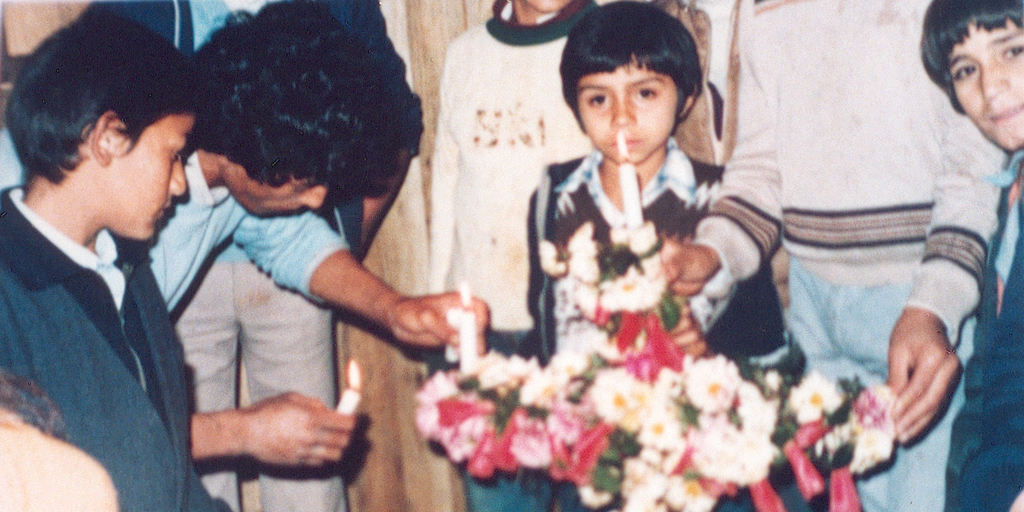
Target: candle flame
355, 379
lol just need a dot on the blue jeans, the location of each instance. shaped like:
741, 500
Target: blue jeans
844, 331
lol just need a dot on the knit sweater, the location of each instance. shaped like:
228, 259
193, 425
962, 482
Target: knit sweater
501, 121
852, 158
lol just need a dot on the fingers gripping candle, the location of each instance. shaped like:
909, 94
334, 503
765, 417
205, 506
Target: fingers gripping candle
629, 187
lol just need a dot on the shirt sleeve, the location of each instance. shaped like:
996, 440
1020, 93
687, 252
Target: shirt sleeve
289, 248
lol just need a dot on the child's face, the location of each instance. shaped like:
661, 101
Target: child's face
988, 78
527, 12
637, 101
148, 176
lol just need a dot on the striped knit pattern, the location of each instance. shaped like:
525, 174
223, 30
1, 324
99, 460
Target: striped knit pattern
764, 230
964, 248
875, 227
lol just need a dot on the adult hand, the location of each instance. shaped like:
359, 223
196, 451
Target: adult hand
294, 429
923, 371
688, 267
423, 320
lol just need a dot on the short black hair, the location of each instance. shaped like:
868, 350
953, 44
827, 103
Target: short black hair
97, 64
31, 404
625, 32
288, 94
946, 25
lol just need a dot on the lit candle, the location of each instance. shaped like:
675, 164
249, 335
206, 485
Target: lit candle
467, 332
351, 396
629, 187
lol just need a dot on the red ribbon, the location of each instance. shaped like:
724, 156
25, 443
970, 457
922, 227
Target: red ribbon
481, 464
453, 411
765, 498
843, 492
808, 479
576, 467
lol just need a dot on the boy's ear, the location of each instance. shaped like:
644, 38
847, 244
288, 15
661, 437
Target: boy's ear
107, 140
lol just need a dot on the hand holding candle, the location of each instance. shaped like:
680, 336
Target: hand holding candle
629, 187
351, 396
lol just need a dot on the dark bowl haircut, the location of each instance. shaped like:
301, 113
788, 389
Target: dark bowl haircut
626, 32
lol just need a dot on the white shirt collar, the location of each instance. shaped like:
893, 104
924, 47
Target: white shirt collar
101, 261
198, 189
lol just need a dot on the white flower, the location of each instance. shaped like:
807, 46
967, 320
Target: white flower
584, 268
756, 412
773, 380
594, 498
643, 485
642, 240
619, 236
873, 446
549, 261
814, 397
495, 370
541, 388
569, 364
661, 429
711, 383
688, 495
619, 398
726, 454
633, 291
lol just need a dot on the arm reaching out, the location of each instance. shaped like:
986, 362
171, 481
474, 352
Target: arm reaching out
289, 429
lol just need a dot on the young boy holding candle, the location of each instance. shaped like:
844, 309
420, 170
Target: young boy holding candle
974, 51
629, 74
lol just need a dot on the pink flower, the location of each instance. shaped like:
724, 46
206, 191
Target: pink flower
642, 366
873, 409
462, 440
441, 385
843, 492
531, 444
566, 421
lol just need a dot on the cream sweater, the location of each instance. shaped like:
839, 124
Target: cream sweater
501, 121
852, 156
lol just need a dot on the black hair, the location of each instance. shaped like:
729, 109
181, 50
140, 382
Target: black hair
288, 94
626, 32
946, 24
99, 63
31, 404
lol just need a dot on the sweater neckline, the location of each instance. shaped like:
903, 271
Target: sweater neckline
511, 33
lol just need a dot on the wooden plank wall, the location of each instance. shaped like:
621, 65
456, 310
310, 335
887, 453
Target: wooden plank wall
400, 473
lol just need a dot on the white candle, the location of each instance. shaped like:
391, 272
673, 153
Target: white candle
629, 187
351, 396
467, 332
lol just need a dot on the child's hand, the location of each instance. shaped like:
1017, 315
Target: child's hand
688, 267
689, 337
923, 371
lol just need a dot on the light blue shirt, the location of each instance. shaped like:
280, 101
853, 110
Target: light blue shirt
288, 247
1011, 232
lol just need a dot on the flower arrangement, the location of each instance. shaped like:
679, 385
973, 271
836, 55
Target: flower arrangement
639, 424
